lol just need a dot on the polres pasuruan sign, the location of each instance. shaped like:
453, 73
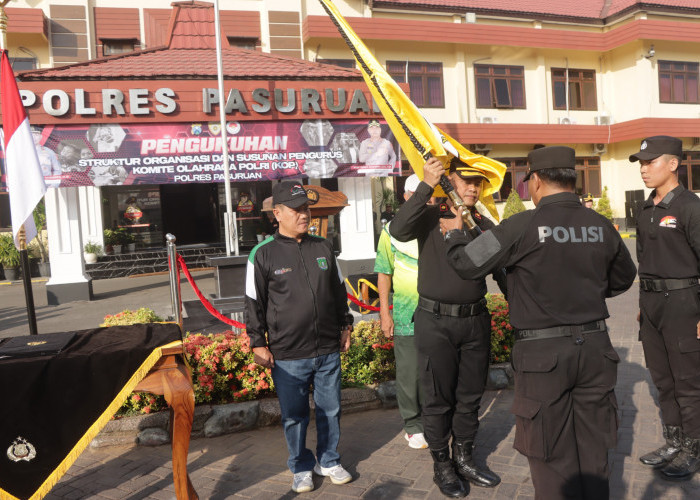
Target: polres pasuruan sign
119, 101
120, 154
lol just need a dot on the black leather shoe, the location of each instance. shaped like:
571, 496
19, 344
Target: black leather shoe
467, 469
686, 463
666, 453
445, 477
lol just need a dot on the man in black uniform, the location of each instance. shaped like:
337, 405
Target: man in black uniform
452, 332
668, 250
562, 260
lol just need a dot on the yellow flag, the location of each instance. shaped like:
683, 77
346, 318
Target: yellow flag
418, 137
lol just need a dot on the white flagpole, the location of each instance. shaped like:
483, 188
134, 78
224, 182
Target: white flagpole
232, 235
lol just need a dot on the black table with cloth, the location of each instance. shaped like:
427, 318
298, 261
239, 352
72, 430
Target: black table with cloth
54, 405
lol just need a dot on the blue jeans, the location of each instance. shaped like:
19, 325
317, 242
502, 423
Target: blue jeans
292, 380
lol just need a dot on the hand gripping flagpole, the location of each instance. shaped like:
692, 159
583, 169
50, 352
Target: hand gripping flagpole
24, 258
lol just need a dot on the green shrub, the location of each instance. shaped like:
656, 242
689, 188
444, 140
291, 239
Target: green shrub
502, 336
111, 237
514, 204
603, 206
370, 358
9, 255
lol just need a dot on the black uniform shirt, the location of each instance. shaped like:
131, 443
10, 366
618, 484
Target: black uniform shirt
668, 236
437, 280
562, 260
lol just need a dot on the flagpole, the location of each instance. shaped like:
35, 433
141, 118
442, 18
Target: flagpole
24, 257
231, 234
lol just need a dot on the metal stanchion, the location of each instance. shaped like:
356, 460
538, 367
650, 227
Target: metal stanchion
174, 289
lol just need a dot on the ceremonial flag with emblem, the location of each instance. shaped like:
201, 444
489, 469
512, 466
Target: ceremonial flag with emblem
418, 137
25, 180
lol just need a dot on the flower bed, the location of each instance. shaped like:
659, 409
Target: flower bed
223, 370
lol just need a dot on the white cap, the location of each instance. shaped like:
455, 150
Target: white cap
411, 183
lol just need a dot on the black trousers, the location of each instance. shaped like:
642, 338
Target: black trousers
672, 352
453, 359
566, 414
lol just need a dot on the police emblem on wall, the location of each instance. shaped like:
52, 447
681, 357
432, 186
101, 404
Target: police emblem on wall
21, 449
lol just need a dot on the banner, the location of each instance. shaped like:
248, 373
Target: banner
179, 153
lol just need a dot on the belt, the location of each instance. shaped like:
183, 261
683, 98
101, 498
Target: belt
457, 310
649, 285
561, 331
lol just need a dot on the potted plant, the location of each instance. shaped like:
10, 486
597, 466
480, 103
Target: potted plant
9, 256
111, 240
128, 239
40, 221
91, 251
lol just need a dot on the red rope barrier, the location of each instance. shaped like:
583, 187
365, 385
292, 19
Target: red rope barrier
202, 298
362, 304
182, 266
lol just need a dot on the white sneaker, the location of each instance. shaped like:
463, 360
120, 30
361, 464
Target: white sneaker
337, 473
416, 441
303, 482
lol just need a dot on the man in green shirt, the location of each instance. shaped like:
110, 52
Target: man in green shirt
399, 261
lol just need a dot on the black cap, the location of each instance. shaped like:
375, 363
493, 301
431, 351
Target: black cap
550, 157
289, 193
374, 123
588, 197
653, 147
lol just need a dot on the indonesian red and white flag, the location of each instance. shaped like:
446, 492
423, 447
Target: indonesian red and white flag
25, 181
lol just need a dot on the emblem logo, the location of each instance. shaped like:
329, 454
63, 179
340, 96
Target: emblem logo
313, 196
233, 127
322, 263
21, 449
297, 190
283, 270
668, 221
196, 128
214, 128
643, 146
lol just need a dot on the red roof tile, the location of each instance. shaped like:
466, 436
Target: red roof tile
576, 9
238, 64
191, 54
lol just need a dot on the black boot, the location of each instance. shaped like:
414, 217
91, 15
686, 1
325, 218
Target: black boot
445, 477
686, 463
467, 469
666, 453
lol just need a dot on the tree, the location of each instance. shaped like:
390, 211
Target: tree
514, 204
40, 221
603, 206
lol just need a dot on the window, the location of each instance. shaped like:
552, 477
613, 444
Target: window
514, 179
343, 63
500, 86
588, 176
582, 94
242, 43
22, 63
424, 81
689, 171
678, 82
117, 46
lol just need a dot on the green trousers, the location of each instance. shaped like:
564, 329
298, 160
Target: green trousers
409, 393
